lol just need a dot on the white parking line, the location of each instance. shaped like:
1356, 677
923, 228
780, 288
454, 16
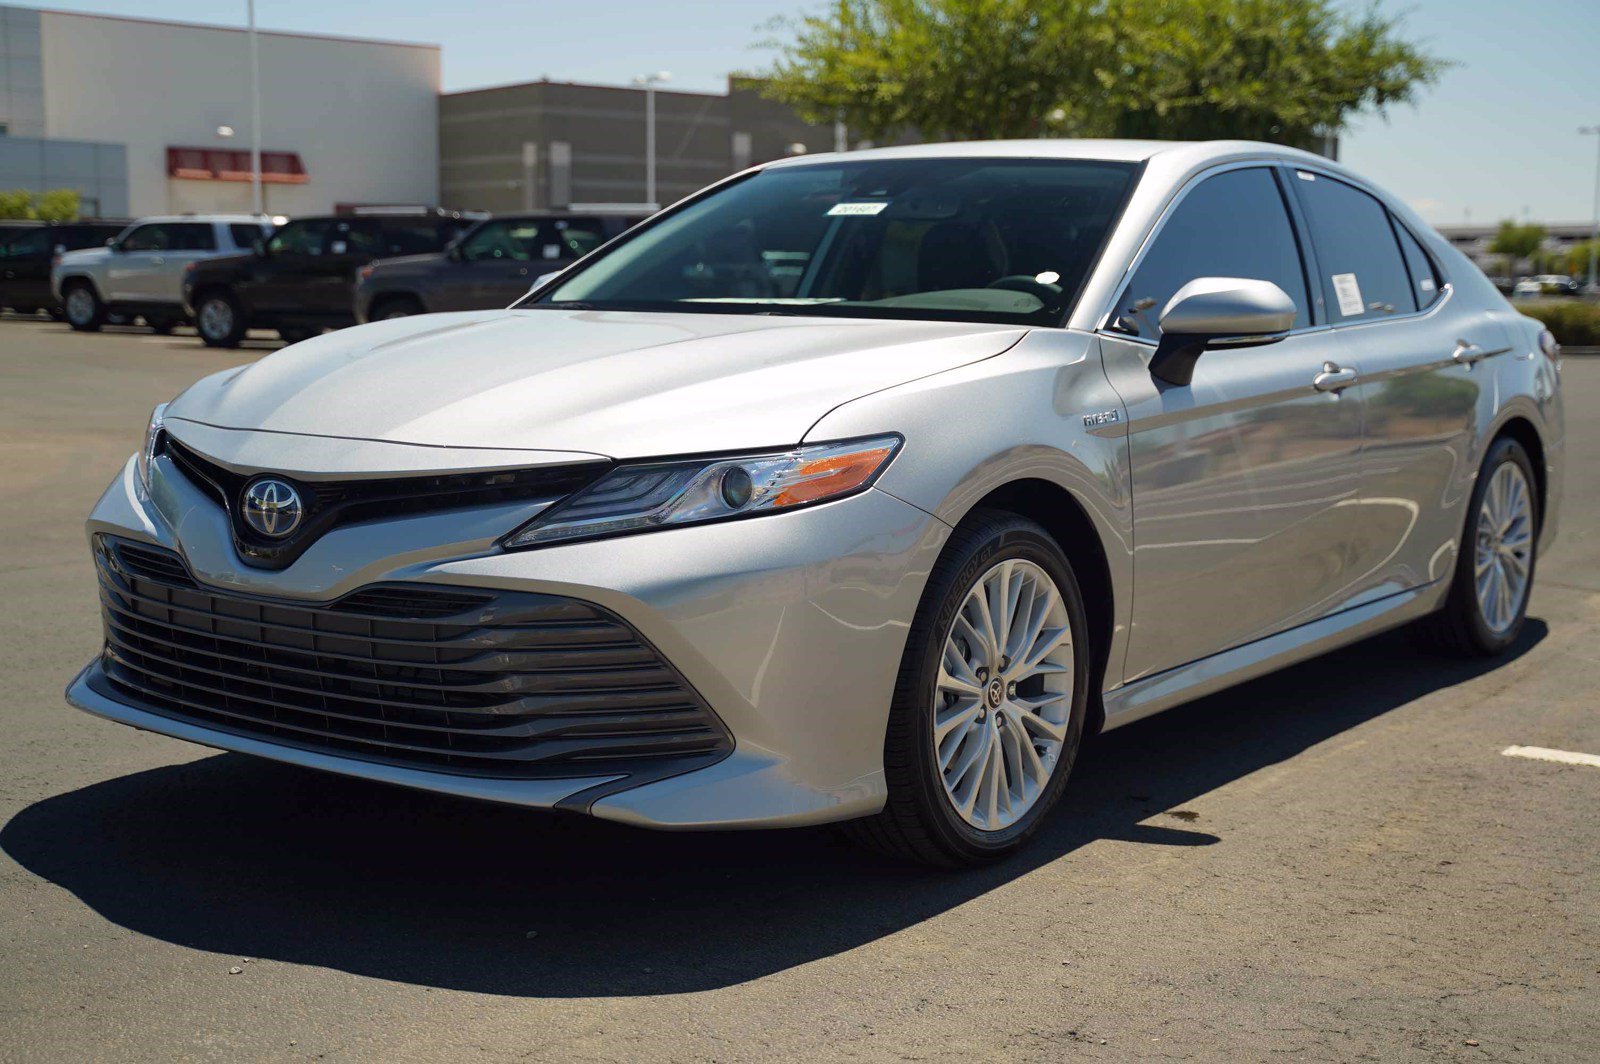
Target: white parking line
1540, 753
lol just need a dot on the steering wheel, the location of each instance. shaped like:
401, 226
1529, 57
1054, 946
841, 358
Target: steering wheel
1048, 294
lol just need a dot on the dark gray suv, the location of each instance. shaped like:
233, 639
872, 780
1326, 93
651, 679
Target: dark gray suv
490, 266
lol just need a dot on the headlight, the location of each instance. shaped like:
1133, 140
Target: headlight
152, 439
638, 498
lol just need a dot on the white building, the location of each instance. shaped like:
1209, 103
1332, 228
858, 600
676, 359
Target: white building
136, 113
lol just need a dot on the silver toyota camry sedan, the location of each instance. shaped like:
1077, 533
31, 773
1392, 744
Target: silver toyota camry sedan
854, 488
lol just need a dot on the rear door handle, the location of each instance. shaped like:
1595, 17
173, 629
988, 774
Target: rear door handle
1333, 378
1467, 353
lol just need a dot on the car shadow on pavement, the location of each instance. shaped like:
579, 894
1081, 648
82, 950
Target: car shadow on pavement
247, 858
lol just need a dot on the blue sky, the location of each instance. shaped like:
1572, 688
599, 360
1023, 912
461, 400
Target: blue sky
1496, 138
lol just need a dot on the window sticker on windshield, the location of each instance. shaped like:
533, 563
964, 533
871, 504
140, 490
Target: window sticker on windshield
1349, 294
856, 208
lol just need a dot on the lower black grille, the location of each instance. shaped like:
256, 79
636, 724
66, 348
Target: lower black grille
470, 681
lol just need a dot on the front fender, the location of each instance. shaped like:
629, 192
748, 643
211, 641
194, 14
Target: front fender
1042, 410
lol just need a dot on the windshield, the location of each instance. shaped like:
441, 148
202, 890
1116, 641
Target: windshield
1007, 240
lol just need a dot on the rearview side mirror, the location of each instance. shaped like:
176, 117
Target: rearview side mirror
1218, 312
114, 244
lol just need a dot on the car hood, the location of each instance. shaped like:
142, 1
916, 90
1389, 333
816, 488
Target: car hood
620, 384
82, 256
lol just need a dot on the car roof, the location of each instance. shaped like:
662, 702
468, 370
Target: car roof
1128, 151
229, 218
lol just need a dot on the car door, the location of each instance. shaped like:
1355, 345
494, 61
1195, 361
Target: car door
141, 251
186, 242
296, 278
1425, 375
1242, 479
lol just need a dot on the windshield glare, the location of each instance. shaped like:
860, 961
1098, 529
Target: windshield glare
1007, 240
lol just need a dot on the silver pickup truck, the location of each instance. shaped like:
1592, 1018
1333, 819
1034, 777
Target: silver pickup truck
140, 272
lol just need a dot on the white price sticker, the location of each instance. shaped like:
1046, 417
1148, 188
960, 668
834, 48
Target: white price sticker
1349, 294
867, 209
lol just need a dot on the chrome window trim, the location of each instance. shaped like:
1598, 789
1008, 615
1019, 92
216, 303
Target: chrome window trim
1302, 232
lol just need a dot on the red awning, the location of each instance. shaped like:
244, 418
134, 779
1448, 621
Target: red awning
225, 164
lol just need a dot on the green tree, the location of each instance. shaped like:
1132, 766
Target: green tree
16, 203
1516, 242
1279, 70
57, 205
1577, 260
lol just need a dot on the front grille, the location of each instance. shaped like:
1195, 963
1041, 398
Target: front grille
331, 504
476, 682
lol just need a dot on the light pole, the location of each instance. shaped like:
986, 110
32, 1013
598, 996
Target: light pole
650, 81
1594, 229
257, 206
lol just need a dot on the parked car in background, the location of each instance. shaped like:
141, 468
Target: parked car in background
1527, 289
492, 264
301, 279
695, 538
1558, 284
140, 271
28, 249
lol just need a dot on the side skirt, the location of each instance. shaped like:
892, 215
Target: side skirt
1142, 698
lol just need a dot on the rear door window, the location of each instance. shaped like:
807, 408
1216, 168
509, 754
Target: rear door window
414, 236
1425, 283
192, 236
1234, 224
1363, 275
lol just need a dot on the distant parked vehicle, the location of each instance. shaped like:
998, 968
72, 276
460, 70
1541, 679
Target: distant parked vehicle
1527, 289
1558, 284
27, 250
491, 265
301, 279
140, 271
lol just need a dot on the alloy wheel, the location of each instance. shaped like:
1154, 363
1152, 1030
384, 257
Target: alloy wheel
80, 306
1504, 550
216, 318
1004, 695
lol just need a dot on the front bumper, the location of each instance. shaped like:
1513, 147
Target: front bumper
791, 628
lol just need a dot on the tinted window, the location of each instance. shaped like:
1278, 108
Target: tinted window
1231, 225
1363, 275
193, 236
973, 239
304, 237
146, 238
1424, 278
526, 239
404, 236
244, 235
30, 244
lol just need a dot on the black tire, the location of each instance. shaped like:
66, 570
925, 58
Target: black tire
84, 309
295, 335
918, 822
219, 319
162, 324
395, 307
27, 312
1458, 628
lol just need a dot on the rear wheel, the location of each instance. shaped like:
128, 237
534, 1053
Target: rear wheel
1488, 600
84, 310
219, 321
989, 708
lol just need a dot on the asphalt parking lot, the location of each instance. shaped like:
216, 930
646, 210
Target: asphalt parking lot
1332, 863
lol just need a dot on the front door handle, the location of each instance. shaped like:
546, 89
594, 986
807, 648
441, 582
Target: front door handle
1333, 378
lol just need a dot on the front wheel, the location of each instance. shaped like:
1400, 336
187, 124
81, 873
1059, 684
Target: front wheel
219, 320
989, 708
1488, 599
84, 310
